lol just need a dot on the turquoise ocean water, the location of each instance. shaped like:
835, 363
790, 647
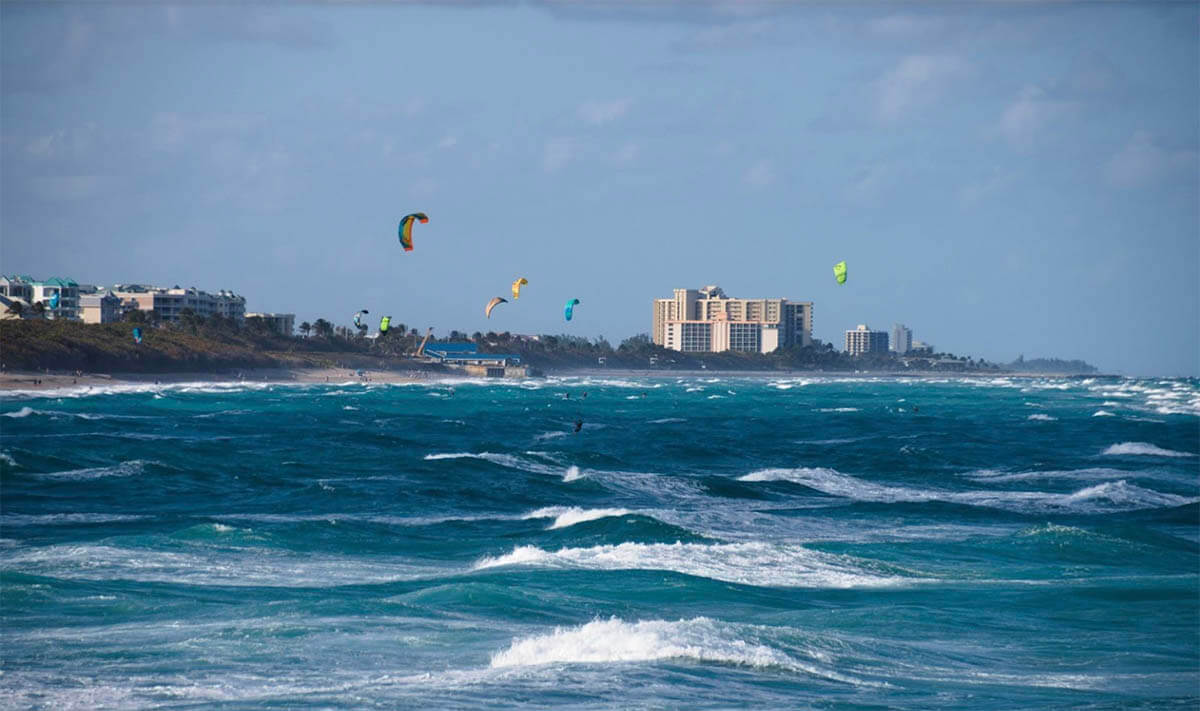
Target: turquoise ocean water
718, 542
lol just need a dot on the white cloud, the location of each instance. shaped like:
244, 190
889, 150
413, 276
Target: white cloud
599, 113
1142, 161
760, 174
557, 153
1028, 115
916, 81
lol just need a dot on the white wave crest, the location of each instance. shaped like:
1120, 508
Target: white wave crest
699, 639
505, 460
1040, 417
758, 564
837, 409
615, 640
1143, 449
1120, 495
565, 516
666, 420
23, 412
572, 473
1102, 413
130, 468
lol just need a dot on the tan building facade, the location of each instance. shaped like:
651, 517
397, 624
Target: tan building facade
707, 321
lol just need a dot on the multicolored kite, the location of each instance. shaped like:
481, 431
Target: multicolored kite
406, 229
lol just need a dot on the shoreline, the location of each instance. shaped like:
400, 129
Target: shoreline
29, 380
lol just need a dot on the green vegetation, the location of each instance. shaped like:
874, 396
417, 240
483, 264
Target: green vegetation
218, 344
193, 344
1052, 365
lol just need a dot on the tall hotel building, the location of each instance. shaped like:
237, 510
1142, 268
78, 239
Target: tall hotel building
863, 340
707, 321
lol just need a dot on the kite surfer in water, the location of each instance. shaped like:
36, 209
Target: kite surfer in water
578, 425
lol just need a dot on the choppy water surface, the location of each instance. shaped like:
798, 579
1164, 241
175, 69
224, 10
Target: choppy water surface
702, 542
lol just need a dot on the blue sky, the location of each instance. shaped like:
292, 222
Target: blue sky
1002, 178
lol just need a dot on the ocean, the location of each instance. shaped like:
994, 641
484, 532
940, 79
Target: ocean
701, 542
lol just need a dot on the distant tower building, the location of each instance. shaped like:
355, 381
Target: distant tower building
901, 339
863, 340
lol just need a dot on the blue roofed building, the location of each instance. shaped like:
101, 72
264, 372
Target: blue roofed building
466, 355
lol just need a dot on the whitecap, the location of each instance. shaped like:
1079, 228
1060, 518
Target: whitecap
753, 563
1111, 496
699, 639
1143, 449
1041, 418
565, 516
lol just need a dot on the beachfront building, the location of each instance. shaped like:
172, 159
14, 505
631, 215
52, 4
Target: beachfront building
67, 291
707, 321
920, 348
283, 324
465, 356
100, 307
16, 297
863, 340
901, 342
168, 304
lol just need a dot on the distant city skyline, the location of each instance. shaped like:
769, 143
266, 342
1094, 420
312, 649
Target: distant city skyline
1004, 178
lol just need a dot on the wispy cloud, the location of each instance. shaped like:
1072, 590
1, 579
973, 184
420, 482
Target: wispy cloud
915, 81
557, 153
1142, 161
1027, 116
599, 113
761, 174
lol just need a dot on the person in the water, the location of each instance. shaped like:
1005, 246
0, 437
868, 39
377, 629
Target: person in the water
578, 425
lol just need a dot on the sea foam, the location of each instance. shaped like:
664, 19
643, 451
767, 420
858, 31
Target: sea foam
760, 564
1143, 449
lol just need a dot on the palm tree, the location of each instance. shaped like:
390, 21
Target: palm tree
323, 328
306, 328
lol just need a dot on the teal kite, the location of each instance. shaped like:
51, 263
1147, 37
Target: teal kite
569, 309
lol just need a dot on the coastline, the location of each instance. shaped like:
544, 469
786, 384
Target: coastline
25, 380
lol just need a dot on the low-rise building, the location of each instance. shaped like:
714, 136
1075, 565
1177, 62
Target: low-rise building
67, 293
283, 324
466, 356
863, 340
168, 304
16, 287
100, 307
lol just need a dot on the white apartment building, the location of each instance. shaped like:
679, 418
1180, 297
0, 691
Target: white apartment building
901, 342
863, 340
707, 321
168, 304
